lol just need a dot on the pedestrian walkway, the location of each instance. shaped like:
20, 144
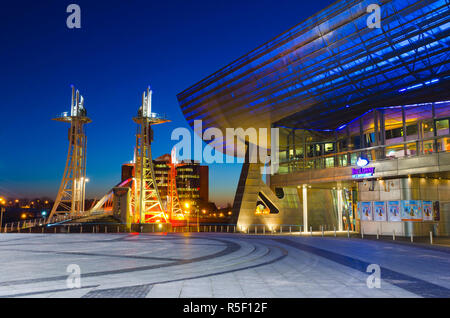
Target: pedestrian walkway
217, 265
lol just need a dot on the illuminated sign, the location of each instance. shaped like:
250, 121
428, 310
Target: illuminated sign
362, 162
362, 172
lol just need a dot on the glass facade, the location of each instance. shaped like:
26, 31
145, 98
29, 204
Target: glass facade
380, 134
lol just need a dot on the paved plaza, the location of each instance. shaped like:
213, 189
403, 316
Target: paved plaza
216, 265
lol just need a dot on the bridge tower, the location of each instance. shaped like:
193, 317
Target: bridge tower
146, 204
71, 195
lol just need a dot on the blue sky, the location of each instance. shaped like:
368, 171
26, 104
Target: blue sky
122, 47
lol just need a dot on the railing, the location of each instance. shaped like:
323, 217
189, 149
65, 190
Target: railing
40, 222
252, 229
22, 225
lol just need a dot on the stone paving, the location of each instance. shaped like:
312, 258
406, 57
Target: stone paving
216, 265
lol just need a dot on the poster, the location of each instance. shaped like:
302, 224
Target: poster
379, 210
411, 210
436, 211
393, 209
366, 211
427, 210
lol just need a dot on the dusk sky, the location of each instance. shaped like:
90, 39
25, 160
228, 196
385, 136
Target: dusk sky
122, 47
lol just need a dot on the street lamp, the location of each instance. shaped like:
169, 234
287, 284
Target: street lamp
187, 212
198, 221
2, 210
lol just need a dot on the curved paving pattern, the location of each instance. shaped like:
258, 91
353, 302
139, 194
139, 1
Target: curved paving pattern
213, 265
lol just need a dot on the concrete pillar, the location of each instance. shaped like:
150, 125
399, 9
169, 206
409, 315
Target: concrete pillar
435, 143
405, 147
340, 208
305, 208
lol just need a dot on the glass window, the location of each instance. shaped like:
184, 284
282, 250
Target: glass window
344, 162
394, 133
329, 147
395, 152
329, 162
356, 142
411, 130
442, 127
370, 139
318, 152
412, 149
427, 127
428, 147
353, 158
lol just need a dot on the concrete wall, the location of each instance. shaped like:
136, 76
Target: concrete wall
289, 206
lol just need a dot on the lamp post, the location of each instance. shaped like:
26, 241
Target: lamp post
187, 212
198, 222
2, 210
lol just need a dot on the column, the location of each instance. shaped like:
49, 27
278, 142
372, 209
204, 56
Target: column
362, 139
305, 208
377, 134
304, 153
349, 141
382, 133
337, 162
435, 143
340, 208
287, 151
405, 147
293, 143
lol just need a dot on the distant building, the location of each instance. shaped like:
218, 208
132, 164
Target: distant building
192, 180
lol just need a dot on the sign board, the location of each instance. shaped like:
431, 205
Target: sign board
362, 172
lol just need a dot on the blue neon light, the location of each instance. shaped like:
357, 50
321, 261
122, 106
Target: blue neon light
418, 85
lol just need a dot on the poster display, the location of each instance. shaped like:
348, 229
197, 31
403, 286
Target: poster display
379, 210
427, 210
393, 208
411, 210
366, 211
436, 211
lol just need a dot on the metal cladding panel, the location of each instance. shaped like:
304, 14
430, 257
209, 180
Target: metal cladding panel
331, 68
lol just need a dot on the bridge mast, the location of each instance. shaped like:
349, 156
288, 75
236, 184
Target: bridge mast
71, 195
146, 204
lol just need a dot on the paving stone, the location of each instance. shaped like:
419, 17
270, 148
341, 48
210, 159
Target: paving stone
217, 265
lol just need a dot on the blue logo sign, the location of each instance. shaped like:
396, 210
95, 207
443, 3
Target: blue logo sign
362, 162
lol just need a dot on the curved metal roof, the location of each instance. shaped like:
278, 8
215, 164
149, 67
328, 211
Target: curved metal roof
331, 68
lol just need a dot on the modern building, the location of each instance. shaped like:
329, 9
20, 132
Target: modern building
363, 116
192, 179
